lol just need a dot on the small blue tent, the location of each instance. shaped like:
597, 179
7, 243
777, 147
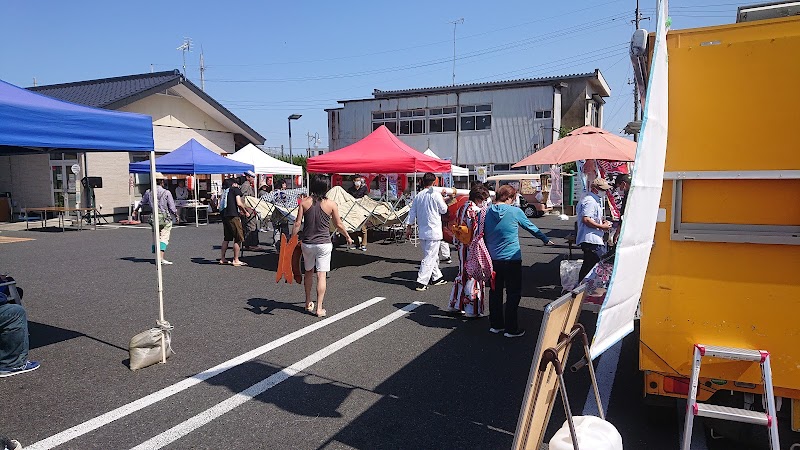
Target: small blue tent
31, 122
192, 158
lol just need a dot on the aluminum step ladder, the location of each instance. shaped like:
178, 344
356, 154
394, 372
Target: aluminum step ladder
693, 408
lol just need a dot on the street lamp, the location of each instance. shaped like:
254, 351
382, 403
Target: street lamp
291, 118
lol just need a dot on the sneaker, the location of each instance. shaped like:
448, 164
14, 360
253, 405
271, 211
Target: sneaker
363, 248
29, 366
421, 287
512, 334
164, 262
496, 330
447, 261
10, 444
438, 282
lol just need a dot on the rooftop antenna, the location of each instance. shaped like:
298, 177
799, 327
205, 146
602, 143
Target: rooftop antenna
185, 47
455, 24
202, 71
34, 81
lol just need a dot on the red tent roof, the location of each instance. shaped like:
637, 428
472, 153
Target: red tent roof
380, 152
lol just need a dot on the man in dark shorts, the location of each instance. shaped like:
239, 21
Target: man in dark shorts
231, 223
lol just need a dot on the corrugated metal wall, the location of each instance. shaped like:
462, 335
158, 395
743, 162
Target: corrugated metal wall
514, 128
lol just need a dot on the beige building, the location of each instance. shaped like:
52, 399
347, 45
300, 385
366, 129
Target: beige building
180, 111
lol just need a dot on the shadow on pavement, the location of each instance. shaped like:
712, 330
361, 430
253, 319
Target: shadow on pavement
139, 260
42, 335
296, 395
266, 306
403, 278
442, 393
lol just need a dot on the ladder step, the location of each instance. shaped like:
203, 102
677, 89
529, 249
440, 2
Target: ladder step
741, 354
732, 414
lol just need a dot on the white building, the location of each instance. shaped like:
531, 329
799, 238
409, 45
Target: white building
180, 111
496, 123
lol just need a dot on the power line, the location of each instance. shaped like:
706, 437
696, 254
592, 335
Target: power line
414, 47
594, 25
597, 55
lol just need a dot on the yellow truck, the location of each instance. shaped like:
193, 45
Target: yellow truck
725, 265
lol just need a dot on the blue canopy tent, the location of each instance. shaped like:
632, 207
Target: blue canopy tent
31, 122
192, 158
34, 123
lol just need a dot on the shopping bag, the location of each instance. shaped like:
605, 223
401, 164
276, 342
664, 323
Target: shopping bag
570, 270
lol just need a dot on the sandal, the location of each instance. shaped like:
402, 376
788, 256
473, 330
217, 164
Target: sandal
223, 262
310, 307
322, 313
239, 264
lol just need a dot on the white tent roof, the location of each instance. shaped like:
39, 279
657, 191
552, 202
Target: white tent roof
263, 163
458, 171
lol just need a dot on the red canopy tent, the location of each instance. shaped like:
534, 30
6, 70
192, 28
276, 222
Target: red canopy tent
380, 152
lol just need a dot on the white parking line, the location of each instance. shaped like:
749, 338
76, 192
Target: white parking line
186, 427
102, 420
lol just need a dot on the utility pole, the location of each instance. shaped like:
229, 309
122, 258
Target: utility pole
455, 24
202, 71
637, 18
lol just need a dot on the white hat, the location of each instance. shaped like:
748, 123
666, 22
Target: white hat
160, 176
250, 173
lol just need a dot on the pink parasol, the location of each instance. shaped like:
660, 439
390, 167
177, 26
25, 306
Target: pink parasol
584, 143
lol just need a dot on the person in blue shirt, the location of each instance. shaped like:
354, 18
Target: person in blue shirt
501, 235
592, 226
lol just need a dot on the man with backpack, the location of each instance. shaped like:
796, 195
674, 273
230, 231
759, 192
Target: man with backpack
166, 213
427, 210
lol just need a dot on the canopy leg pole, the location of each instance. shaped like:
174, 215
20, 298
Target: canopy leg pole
157, 249
196, 201
130, 198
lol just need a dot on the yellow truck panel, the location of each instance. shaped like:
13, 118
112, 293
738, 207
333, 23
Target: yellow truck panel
734, 105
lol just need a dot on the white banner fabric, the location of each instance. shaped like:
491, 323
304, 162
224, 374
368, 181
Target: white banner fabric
616, 316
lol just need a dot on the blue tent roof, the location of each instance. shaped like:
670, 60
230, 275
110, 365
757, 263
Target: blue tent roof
32, 122
192, 157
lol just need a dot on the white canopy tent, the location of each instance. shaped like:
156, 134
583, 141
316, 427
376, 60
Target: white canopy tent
456, 170
263, 163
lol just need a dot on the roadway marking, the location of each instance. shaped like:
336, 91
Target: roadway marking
125, 410
186, 427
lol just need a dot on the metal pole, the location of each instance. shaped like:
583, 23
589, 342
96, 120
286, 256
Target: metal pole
291, 156
157, 248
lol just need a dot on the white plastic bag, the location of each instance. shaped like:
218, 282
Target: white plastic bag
593, 433
570, 269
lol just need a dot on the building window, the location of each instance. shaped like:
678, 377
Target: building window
415, 126
443, 120
385, 118
543, 114
392, 126
442, 111
476, 118
442, 125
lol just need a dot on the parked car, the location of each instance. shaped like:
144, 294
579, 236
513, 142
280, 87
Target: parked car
533, 188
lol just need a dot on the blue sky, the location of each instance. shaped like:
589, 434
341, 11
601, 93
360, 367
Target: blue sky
266, 60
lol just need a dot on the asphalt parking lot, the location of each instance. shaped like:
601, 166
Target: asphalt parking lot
253, 370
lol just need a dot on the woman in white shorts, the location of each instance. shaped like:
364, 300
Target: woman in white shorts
316, 212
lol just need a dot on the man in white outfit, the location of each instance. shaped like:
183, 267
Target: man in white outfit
427, 210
